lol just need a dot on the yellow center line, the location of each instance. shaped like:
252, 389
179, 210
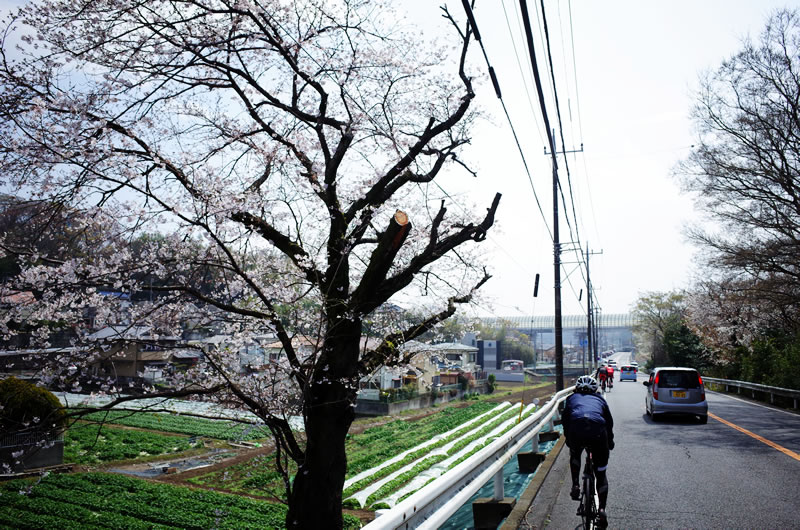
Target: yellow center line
757, 437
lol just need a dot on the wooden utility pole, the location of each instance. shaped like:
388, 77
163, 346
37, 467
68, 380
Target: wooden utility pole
557, 272
590, 312
592, 358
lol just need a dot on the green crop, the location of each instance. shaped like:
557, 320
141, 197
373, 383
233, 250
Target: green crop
91, 444
96, 500
219, 429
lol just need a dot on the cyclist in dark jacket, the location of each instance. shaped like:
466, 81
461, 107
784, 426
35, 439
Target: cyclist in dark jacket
588, 425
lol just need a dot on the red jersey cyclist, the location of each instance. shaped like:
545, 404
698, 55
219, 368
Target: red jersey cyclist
602, 376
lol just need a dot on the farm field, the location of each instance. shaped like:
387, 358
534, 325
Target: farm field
100, 500
388, 459
86, 443
388, 462
365, 450
218, 429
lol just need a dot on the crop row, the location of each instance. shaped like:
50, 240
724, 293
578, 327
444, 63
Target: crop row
257, 476
403, 478
411, 457
100, 500
219, 429
438, 423
364, 451
372, 448
89, 444
463, 457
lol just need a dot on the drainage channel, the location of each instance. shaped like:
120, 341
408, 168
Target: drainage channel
514, 484
156, 469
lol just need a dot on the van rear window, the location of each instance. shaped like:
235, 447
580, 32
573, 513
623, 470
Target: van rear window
682, 379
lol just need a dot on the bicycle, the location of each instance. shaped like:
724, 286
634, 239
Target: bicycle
588, 508
603, 384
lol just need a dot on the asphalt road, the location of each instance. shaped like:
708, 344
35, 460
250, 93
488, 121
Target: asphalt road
678, 473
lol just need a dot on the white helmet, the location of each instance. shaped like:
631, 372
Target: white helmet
586, 384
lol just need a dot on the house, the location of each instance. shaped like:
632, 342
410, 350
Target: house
273, 351
255, 353
457, 356
419, 373
129, 351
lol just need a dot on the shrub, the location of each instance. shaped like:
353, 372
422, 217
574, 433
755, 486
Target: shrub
25, 403
491, 383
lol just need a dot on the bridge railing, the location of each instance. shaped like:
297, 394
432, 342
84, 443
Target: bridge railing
755, 387
434, 504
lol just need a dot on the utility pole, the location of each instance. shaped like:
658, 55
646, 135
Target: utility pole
559, 338
559, 334
589, 311
593, 359
523, 4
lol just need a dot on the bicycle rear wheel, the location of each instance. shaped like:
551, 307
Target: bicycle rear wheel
588, 509
592, 504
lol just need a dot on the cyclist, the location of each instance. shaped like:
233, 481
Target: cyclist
588, 425
602, 376
610, 381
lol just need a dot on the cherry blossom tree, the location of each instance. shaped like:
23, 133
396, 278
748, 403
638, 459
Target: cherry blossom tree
282, 151
743, 172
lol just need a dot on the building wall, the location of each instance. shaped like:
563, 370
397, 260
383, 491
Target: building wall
489, 355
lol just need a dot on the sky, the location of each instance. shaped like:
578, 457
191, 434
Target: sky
625, 71
626, 97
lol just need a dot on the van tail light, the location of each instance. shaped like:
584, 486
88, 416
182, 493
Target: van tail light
655, 387
702, 388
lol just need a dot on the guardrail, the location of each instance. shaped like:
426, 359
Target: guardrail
771, 390
434, 504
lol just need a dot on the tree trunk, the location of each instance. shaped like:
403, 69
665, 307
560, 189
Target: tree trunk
316, 499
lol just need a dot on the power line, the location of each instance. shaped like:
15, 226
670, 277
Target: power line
561, 129
496, 84
575, 73
521, 70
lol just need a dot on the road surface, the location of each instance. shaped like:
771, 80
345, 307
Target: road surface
741, 470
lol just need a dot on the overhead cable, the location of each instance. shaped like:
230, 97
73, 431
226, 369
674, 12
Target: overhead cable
496, 83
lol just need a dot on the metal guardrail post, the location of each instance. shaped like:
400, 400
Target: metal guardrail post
499, 493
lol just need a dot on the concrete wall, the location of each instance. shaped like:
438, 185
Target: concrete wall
507, 375
34, 457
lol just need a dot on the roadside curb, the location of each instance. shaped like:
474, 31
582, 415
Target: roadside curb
516, 519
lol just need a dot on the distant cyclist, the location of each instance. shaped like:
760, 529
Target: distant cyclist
602, 376
588, 425
610, 381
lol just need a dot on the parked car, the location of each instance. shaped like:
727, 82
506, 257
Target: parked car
628, 373
674, 390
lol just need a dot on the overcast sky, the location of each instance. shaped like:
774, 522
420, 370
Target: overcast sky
636, 64
625, 72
